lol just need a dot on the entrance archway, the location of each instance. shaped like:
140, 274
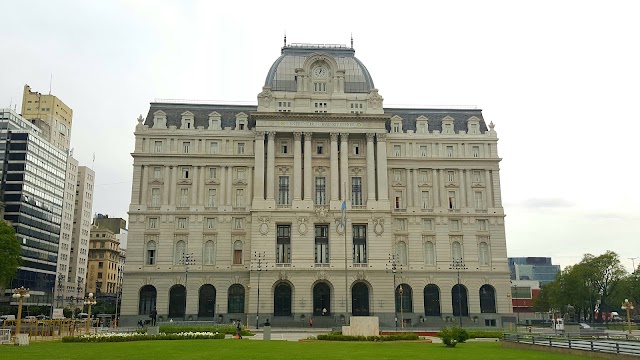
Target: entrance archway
431, 300
459, 300
282, 300
360, 299
321, 299
177, 301
207, 301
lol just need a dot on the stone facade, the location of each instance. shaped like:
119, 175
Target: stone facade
255, 197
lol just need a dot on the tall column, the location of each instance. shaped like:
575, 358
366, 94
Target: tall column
258, 191
308, 181
488, 183
443, 192
167, 185
435, 180
194, 187
468, 183
297, 166
172, 192
344, 165
383, 187
417, 195
271, 163
371, 169
409, 190
335, 190
201, 195
223, 186
463, 190
144, 184
229, 184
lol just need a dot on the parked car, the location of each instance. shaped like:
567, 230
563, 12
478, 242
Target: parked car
82, 316
7, 317
584, 326
29, 318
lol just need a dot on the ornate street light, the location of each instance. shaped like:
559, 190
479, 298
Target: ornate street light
259, 258
20, 294
90, 300
187, 259
394, 268
628, 305
458, 264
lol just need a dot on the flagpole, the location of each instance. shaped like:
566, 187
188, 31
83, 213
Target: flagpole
343, 221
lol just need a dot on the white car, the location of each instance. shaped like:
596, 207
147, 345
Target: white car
584, 326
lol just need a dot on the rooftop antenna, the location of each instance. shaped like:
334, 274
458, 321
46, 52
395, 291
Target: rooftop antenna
285, 38
10, 103
93, 161
352, 40
50, 81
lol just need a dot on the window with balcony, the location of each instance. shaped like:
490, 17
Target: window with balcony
359, 244
212, 198
322, 244
283, 190
356, 191
283, 244
321, 194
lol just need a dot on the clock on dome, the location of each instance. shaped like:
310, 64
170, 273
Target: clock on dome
319, 72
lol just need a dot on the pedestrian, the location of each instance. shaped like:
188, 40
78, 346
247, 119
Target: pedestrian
324, 311
153, 316
239, 330
310, 322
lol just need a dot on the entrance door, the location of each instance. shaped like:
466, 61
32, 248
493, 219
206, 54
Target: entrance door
177, 301
282, 300
321, 299
459, 300
360, 302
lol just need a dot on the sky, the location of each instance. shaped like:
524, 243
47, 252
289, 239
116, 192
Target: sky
559, 79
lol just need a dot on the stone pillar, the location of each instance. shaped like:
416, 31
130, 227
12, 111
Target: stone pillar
468, 183
297, 167
488, 183
383, 177
271, 163
443, 190
194, 187
464, 201
144, 184
335, 178
247, 199
408, 192
202, 181
229, 185
344, 166
173, 180
308, 177
223, 185
417, 194
371, 170
258, 191
167, 185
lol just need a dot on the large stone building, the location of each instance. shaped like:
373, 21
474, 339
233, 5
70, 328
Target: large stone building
237, 211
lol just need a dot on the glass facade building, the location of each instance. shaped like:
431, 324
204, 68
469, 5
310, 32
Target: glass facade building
533, 268
32, 189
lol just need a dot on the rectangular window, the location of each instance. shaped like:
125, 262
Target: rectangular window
210, 224
321, 194
482, 225
213, 173
186, 147
475, 151
359, 244
283, 244
322, 244
356, 148
184, 197
213, 147
356, 190
451, 176
155, 197
158, 147
238, 223
452, 199
395, 127
425, 200
476, 176
449, 151
424, 176
401, 224
320, 148
100, 264
239, 197
478, 202
397, 175
283, 190
157, 172
423, 150
397, 150
153, 223
240, 148
211, 198
182, 223
454, 225
240, 174
399, 202
427, 224
284, 147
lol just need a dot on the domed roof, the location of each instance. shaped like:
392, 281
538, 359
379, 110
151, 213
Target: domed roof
282, 75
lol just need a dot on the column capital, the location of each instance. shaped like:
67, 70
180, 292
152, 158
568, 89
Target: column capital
297, 136
344, 136
272, 135
370, 136
308, 135
334, 136
259, 135
381, 136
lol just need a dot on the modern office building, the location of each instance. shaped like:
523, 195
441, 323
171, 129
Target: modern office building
318, 202
32, 188
533, 268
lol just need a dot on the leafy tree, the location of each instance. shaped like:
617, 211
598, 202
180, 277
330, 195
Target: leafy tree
604, 276
9, 253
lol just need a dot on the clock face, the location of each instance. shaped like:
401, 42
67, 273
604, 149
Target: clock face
320, 72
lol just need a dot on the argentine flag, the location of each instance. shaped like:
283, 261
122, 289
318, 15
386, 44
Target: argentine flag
342, 218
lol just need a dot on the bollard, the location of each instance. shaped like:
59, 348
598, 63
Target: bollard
266, 332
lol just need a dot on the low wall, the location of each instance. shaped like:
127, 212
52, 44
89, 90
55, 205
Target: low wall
362, 326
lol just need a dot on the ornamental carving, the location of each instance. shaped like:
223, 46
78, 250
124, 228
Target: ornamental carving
356, 170
264, 224
307, 136
378, 226
282, 276
259, 135
272, 135
334, 136
297, 136
321, 213
381, 137
344, 137
370, 136
321, 275
375, 99
320, 170
361, 275
283, 170
265, 97
303, 226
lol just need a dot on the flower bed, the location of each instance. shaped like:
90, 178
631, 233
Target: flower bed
121, 337
340, 337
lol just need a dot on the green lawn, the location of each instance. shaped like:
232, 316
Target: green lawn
255, 349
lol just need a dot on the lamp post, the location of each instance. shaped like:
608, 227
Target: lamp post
392, 262
20, 294
258, 258
401, 308
628, 305
458, 264
90, 300
118, 291
187, 259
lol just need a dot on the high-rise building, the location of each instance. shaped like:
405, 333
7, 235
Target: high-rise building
533, 268
318, 202
64, 289
50, 114
32, 188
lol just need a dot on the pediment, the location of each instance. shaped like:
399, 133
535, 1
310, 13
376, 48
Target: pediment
396, 118
447, 118
422, 118
187, 113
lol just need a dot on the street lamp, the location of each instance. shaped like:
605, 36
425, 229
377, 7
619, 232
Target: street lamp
258, 258
118, 291
458, 264
90, 300
394, 267
187, 259
20, 294
628, 305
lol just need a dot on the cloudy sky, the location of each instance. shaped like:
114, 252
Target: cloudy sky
560, 79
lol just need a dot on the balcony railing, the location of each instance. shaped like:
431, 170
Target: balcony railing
283, 206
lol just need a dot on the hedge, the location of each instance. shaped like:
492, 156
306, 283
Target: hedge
340, 337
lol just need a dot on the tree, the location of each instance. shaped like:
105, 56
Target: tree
9, 253
604, 278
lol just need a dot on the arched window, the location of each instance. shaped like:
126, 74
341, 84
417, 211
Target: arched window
401, 250
282, 300
181, 247
151, 253
360, 299
429, 253
177, 301
404, 298
456, 251
207, 301
459, 300
483, 254
147, 300
431, 300
487, 299
209, 253
237, 252
321, 299
235, 303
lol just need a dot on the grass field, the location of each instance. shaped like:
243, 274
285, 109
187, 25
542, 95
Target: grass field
252, 349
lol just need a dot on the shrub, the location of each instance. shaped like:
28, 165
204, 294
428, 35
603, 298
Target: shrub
452, 336
339, 337
484, 334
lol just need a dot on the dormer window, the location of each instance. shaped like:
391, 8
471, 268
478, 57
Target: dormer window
214, 120
422, 125
187, 120
396, 124
242, 121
